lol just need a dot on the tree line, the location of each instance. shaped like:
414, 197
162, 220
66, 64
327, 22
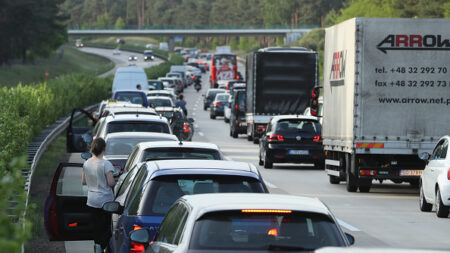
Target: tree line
30, 28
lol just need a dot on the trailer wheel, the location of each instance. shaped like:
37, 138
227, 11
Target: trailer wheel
365, 185
334, 179
352, 180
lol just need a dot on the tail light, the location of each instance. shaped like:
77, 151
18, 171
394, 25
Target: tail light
118, 167
448, 174
217, 104
317, 138
186, 128
136, 247
276, 137
207, 65
273, 232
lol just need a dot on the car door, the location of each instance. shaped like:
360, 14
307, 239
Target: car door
428, 179
66, 215
81, 122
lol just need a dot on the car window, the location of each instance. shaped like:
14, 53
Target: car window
165, 190
180, 229
293, 126
160, 102
437, 151
223, 98
250, 230
180, 153
131, 97
444, 150
69, 182
168, 230
136, 185
137, 126
131, 158
125, 186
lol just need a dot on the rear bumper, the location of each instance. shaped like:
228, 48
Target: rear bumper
284, 153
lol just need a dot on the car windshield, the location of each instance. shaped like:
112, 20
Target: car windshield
165, 190
212, 93
135, 98
181, 153
250, 230
297, 125
160, 102
124, 146
220, 58
173, 75
155, 85
222, 98
168, 115
158, 95
137, 126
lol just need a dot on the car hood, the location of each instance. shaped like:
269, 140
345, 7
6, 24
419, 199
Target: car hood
164, 109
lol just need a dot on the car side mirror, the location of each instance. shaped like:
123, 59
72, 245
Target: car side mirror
86, 155
350, 238
113, 207
191, 120
424, 156
140, 236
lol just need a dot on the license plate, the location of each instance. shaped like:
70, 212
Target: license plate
298, 152
411, 172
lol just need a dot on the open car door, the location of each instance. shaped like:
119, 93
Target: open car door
66, 215
81, 122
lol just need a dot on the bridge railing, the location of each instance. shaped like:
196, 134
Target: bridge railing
190, 27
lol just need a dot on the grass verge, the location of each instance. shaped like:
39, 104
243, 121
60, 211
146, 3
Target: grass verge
40, 187
66, 60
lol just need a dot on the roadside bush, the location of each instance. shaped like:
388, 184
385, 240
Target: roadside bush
163, 68
25, 110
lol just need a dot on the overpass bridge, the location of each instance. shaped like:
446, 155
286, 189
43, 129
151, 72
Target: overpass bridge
291, 34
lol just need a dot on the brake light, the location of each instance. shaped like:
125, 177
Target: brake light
217, 104
317, 138
368, 173
276, 137
137, 248
207, 65
186, 128
273, 232
448, 174
265, 211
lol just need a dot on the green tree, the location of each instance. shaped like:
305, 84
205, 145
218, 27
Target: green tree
104, 20
234, 43
120, 23
243, 43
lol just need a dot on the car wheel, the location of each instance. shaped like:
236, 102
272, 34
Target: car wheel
205, 108
351, 182
334, 179
212, 116
424, 205
441, 210
268, 164
261, 162
226, 120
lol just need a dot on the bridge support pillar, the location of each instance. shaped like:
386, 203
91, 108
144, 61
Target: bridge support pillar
292, 37
171, 44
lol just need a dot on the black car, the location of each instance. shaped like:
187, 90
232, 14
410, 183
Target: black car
148, 55
238, 124
218, 105
209, 97
292, 139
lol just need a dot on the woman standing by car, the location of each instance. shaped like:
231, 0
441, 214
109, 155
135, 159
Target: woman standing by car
98, 176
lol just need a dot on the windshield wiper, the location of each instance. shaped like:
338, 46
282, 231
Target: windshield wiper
287, 247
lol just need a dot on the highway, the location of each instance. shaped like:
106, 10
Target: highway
388, 216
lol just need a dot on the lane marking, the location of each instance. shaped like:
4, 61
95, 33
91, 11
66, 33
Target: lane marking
270, 184
347, 226
201, 134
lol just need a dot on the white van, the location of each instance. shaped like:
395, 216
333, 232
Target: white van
127, 78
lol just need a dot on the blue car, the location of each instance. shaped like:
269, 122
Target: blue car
132, 96
147, 193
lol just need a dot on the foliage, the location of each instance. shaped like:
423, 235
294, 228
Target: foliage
30, 28
163, 68
25, 111
120, 23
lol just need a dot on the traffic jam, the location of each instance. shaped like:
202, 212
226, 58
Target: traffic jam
367, 123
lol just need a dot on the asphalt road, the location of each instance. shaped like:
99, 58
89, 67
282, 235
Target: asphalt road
388, 216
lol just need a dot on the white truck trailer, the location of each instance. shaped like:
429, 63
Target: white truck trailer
386, 98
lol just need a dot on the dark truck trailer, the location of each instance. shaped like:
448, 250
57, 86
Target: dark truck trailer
279, 82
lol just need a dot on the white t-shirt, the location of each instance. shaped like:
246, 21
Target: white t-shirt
99, 191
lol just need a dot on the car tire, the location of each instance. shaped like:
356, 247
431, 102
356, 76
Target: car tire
351, 182
441, 210
334, 179
261, 162
205, 108
268, 164
226, 120
234, 134
423, 204
249, 138
212, 116
320, 166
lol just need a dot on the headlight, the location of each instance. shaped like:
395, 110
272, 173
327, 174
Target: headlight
145, 57
82, 45
135, 57
153, 57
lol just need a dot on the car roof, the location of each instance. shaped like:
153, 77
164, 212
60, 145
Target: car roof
141, 134
130, 69
204, 203
131, 91
121, 104
169, 144
280, 117
214, 90
159, 97
128, 110
192, 164
158, 91
140, 117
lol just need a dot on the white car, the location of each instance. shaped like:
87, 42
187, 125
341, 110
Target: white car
227, 110
245, 222
116, 52
435, 180
112, 106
